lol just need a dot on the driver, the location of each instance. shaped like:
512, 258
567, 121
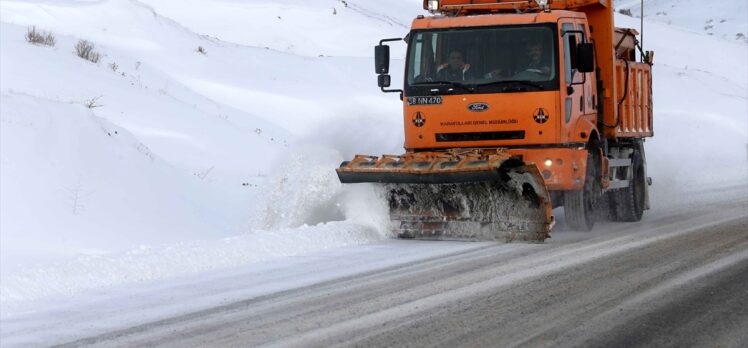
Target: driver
535, 62
455, 70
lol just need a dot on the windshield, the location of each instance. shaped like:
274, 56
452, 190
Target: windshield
469, 59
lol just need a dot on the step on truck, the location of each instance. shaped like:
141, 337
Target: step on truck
510, 109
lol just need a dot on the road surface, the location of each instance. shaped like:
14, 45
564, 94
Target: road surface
678, 278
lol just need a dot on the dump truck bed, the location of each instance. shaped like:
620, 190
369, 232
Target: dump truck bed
633, 118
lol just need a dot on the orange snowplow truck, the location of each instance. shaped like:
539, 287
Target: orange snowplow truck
512, 108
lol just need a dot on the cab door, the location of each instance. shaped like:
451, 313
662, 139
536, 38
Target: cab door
578, 106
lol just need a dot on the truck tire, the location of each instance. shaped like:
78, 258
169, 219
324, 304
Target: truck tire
580, 206
608, 208
627, 204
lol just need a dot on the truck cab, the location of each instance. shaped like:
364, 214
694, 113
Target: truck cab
510, 81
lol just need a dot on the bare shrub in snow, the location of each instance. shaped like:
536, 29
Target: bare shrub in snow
201, 50
76, 196
92, 103
625, 12
204, 174
43, 38
85, 50
113, 66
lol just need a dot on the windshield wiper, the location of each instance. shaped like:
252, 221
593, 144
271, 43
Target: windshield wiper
469, 88
512, 82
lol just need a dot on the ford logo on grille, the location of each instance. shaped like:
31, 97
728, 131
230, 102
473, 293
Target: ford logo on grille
478, 107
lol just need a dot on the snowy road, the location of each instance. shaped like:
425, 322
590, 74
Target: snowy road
680, 277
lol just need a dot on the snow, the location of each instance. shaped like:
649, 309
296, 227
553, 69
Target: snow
97, 312
727, 20
701, 109
174, 260
180, 150
69, 171
195, 163
307, 28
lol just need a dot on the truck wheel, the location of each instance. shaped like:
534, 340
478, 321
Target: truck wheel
609, 209
580, 206
627, 204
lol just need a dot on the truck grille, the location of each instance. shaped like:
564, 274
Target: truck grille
480, 136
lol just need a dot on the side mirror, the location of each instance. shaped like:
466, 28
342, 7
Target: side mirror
382, 59
585, 57
382, 66
384, 80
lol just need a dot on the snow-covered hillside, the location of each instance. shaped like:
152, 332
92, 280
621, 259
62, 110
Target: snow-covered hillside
309, 28
160, 145
160, 160
727, 20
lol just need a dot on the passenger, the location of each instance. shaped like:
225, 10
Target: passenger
535, 61
455, 70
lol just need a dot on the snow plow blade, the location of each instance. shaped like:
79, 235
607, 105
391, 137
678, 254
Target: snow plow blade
474, 195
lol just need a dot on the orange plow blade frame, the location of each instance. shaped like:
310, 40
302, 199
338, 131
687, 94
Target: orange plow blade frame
462, 194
